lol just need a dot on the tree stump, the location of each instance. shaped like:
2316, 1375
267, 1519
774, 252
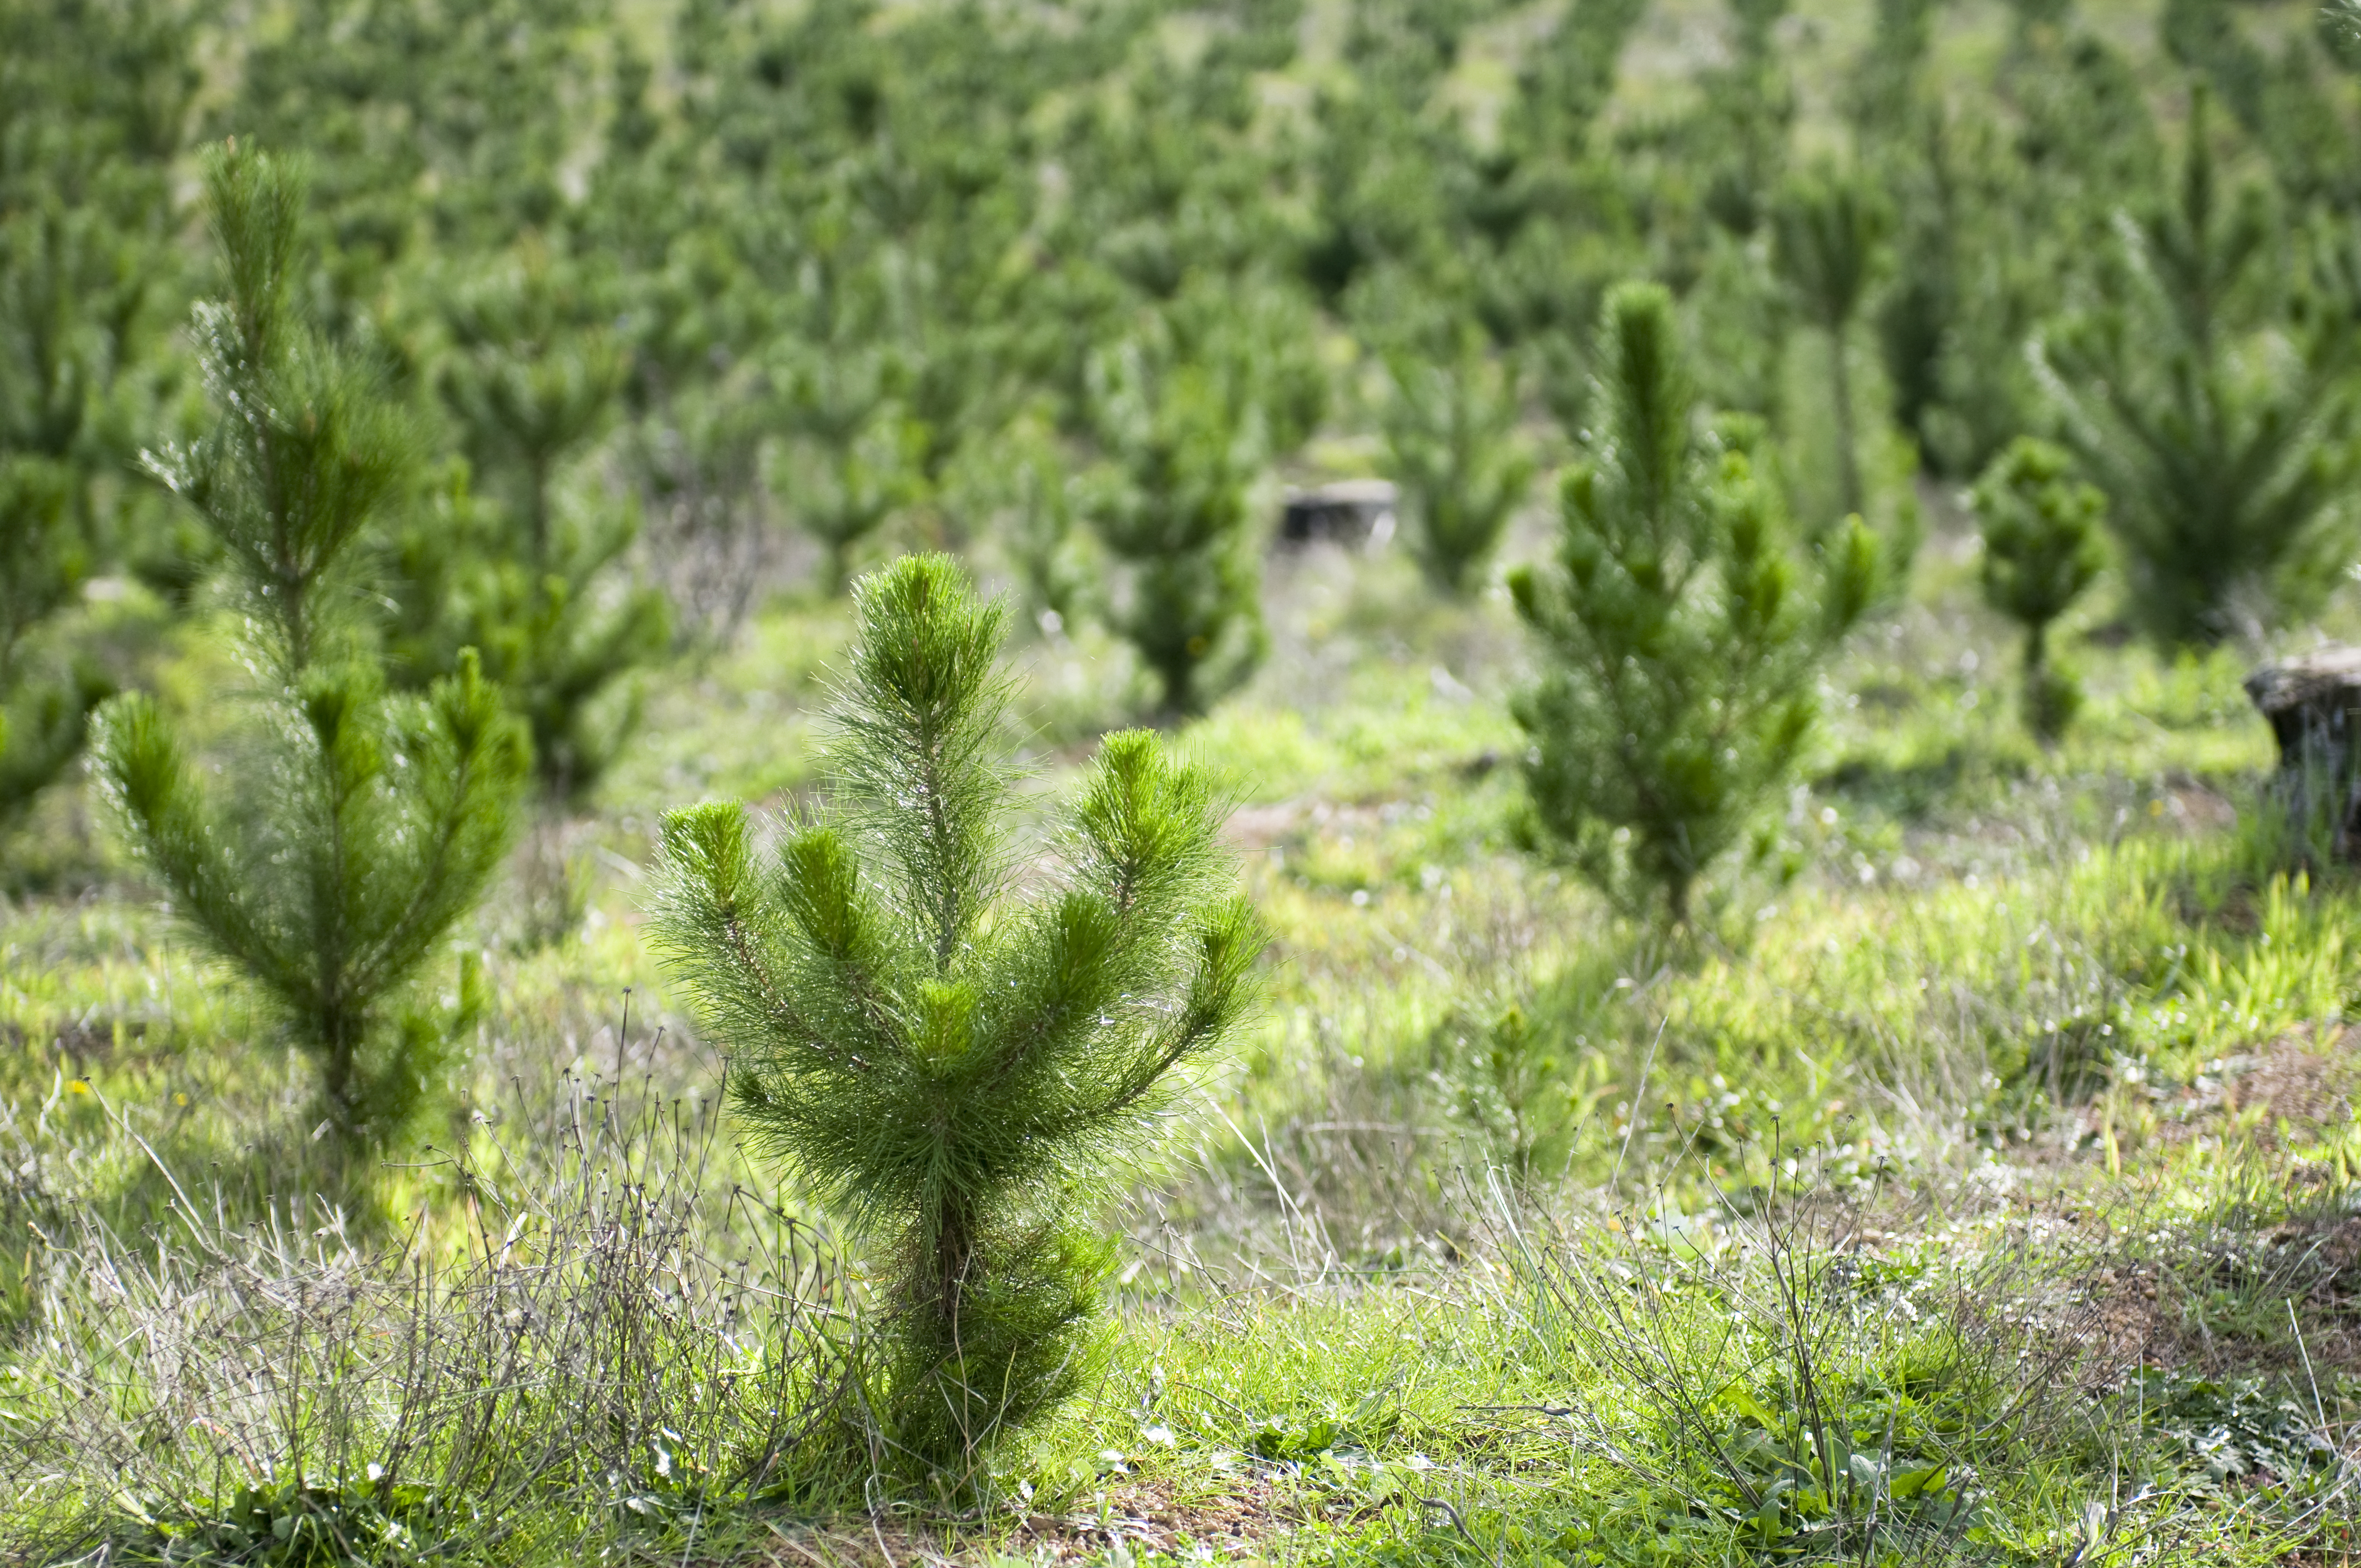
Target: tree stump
1350, 512
2313, 704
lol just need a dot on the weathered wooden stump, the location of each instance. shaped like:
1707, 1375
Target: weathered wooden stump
1351, 511
2313, 704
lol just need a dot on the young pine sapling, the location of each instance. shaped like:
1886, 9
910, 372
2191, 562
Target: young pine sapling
1170, 506
950, 1065
364, 826
54, 359
43, 559
1037, 529
1681, 629
1451, 445
2041, 550
2222, 441
853, 458
517, 568
1827, 234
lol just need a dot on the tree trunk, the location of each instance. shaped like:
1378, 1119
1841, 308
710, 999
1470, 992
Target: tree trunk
2313, 704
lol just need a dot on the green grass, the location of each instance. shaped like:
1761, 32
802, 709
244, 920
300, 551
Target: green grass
2005, 1143
2000, 1018
2008, 1143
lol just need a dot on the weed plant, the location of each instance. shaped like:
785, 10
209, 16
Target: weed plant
570, 1344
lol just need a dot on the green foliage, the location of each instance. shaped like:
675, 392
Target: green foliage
1681, 631
72, 295
528, 573
1041, 540
530, 380
365, 827
293, 1525
1827, 230
2228, 1434
1515, 1079
1565, 84
1806, 1397
1183, 442
865, 270
1887, 84
854, 455
2216, 420
43, 558
947, 1065
2292, 116
1977, 264
2041, 550
1451, 445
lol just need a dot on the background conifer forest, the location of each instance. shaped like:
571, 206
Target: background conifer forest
709, 854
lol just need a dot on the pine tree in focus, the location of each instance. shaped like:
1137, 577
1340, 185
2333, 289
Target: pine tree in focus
1681, 629
952, 1064
362, 827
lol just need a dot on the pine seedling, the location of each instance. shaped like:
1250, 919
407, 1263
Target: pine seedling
1827, 231
1038, 534
1172, 508
43, 560
1977, 265
2223, 451
53, 367
364, 826
951, 1066
1451, 446
2041, 550
853, 458
529, 384
1681, 631
525, 571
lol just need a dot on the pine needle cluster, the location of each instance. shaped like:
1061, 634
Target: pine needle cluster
1681, 629
365, 826
951, 1066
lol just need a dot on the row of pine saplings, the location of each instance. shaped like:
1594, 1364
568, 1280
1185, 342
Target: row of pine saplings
933, 1058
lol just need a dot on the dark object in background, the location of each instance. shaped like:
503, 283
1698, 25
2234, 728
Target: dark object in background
1350, 512
2313, 703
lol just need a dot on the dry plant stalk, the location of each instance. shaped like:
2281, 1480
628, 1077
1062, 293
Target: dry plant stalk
584, 1341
